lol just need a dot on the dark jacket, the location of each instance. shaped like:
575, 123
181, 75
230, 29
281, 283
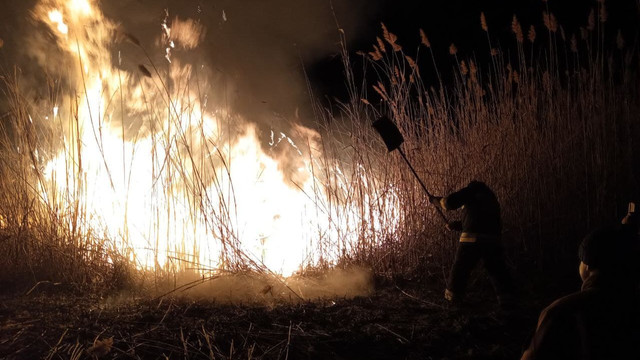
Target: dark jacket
481, 210
600, 322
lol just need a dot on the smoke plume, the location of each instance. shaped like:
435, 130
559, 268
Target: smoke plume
254, 51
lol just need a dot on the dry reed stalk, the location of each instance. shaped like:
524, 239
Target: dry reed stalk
531, 35
526, 133
483, 22
532, 119
517, 29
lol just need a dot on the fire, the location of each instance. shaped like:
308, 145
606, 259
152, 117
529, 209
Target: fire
162, 173
56, 18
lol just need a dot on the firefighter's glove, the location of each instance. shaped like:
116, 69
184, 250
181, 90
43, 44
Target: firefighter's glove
435, 200
454, 226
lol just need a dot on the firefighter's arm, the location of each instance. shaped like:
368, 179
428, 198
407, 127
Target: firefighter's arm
441, 203
454, 201
438, 201
454, 226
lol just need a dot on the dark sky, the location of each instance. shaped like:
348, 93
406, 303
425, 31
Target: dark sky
458, 21
259, 47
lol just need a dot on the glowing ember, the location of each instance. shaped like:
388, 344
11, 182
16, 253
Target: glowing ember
164, 181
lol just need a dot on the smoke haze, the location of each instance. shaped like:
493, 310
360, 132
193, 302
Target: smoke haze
254, 288
253, 51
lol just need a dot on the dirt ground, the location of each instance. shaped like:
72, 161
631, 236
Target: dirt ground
399, 320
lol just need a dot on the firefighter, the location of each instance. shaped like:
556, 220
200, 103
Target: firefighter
480, 238
602, 320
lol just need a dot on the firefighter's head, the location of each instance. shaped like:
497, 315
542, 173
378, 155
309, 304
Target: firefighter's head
477, 185
611, 250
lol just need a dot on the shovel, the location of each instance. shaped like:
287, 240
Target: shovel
392, 138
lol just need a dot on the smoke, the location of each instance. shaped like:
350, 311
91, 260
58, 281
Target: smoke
254, 288
255, 51
252, 54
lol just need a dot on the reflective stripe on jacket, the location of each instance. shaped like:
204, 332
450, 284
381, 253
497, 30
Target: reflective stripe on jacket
468, 237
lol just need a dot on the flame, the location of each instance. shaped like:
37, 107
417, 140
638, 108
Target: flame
149, 164
56, 17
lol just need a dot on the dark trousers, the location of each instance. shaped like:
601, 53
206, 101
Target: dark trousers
492, 254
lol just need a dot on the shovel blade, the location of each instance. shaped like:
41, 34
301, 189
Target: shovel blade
389, 133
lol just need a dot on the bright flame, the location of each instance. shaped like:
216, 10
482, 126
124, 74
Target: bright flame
56, 17
165, 181
81, 6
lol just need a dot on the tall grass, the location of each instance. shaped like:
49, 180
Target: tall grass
42, 239
550, 125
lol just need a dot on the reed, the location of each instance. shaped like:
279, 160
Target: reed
552, 128
553, 131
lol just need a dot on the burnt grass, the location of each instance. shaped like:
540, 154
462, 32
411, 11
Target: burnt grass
402, 319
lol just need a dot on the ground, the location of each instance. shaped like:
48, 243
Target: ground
401, 320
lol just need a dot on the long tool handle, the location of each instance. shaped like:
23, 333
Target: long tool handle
439, 209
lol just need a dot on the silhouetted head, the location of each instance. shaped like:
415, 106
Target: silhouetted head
476, 184
610, 250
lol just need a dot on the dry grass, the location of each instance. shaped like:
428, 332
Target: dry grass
551, 128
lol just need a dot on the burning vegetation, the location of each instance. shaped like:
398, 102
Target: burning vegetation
135, 174
140, 169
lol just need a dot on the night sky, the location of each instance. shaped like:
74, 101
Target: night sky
458, 21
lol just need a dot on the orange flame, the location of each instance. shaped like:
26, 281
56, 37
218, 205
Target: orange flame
174, 185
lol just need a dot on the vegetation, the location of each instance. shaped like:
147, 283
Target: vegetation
549, 122
551, 125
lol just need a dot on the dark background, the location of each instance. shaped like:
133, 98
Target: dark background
458, 21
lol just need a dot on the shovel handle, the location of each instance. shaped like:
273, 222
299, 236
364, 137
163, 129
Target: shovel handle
438, 209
